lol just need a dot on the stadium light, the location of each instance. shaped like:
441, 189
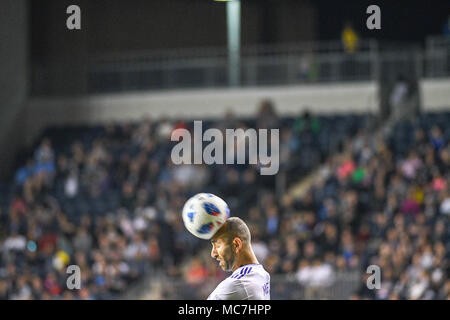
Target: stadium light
233, 36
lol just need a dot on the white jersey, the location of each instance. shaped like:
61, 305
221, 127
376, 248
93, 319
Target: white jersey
249, 282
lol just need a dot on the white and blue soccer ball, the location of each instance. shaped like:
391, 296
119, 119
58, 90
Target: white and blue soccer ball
204, 214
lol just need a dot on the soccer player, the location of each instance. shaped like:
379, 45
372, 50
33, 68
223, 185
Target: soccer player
231, 246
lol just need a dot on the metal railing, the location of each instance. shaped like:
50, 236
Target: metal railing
285, 64
291, 63
212, 72
256, 50
436, 58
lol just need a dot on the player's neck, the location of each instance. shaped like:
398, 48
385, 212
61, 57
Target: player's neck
246, 257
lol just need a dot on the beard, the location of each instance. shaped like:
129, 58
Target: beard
229, 257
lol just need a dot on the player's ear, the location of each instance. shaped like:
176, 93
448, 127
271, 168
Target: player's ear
237, 244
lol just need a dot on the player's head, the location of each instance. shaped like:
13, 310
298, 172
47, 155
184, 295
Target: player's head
230, 241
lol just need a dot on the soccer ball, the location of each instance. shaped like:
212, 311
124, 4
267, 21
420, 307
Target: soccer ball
204, 214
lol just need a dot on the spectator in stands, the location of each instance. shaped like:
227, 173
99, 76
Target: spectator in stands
267, 117
399, 93
374, 205
349, 37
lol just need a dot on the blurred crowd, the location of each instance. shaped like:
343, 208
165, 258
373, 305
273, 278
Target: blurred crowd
383, 201
369, 205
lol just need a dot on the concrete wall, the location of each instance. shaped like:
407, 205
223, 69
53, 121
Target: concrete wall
13, 78
61, 57
200, 104
435, 94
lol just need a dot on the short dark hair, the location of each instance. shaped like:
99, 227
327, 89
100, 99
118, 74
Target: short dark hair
236, 227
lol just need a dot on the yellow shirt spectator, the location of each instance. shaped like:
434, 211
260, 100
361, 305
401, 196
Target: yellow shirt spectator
349, 39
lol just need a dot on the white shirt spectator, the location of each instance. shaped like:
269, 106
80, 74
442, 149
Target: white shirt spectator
303, 275
445, 206
15, 243
24, 293
398, 94
126, 226
71, 186
322, 275
426, 260
261, 250
136, 249
418, 288
139, 223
